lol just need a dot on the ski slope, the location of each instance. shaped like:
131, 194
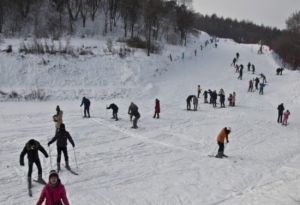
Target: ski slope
166, 161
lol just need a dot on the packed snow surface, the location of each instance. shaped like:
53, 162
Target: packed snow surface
166, 160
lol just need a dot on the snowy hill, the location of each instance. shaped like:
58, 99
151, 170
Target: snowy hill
165, 161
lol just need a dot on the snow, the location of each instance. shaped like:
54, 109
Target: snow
165, 161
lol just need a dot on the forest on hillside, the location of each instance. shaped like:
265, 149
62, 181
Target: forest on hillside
142, 24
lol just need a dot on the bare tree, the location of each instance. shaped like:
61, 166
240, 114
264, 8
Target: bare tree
93, 7
84, 9
293, 22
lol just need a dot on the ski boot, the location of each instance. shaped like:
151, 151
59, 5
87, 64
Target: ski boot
67, 165
58, 167
219, 155
41, 180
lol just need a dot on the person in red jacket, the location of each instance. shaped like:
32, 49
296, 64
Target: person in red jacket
157, 109
54, 192
220, 139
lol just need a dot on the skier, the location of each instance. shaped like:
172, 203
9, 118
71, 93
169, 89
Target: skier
286, 115
222, 97
279, 71
250, 88
230, 99
220, 139
280, 109
264, 79
237, 55
214, 97
233, 61
156, 108
237, 68
256, 83
253, 68
261, 88
86, 102
54, 192
233, 99
249, 66
210, 96
241, 72
57, 118
115, 109
61, 142
188, 102
133, 111
199, 91
195, 102
205, 96
31, 149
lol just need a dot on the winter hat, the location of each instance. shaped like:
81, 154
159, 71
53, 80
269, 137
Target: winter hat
228, 128
57, 108
62, 126
53, 173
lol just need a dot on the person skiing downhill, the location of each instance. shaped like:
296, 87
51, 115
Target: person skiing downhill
133, 111
53, 192
280, 109
61, 142
286, 115
31, 149
156, 108
57, 118
115, 109
86, 104
221, 139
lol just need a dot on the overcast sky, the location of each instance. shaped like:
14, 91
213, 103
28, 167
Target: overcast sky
268, 12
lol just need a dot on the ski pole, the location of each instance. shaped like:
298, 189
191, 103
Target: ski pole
50, 156
75, 158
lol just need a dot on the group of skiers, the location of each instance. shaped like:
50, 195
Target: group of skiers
214, 95
53, 191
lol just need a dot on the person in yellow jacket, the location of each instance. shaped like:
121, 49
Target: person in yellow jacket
221, 139
57, 118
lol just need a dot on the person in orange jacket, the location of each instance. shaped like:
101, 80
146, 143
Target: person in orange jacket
221, 139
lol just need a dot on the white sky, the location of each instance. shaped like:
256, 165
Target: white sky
268, 12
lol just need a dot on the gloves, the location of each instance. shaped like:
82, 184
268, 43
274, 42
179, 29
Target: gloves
49, 144
47, 156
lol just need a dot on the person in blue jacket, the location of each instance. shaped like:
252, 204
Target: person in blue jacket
86, 103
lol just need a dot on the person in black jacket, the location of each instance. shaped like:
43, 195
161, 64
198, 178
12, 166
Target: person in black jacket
31, 149
61, 138
115, 109
280, 109
205, 96
86, 103
188, 102
133, 111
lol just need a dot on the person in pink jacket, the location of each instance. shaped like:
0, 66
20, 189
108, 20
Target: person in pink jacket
54, 192
286, 115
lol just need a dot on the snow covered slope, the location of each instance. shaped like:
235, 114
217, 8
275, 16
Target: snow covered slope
166, 161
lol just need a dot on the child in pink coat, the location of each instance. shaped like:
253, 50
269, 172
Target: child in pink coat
286, 115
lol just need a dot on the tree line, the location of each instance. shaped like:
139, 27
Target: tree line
145, 21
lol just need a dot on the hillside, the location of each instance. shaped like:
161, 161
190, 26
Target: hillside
165, 161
